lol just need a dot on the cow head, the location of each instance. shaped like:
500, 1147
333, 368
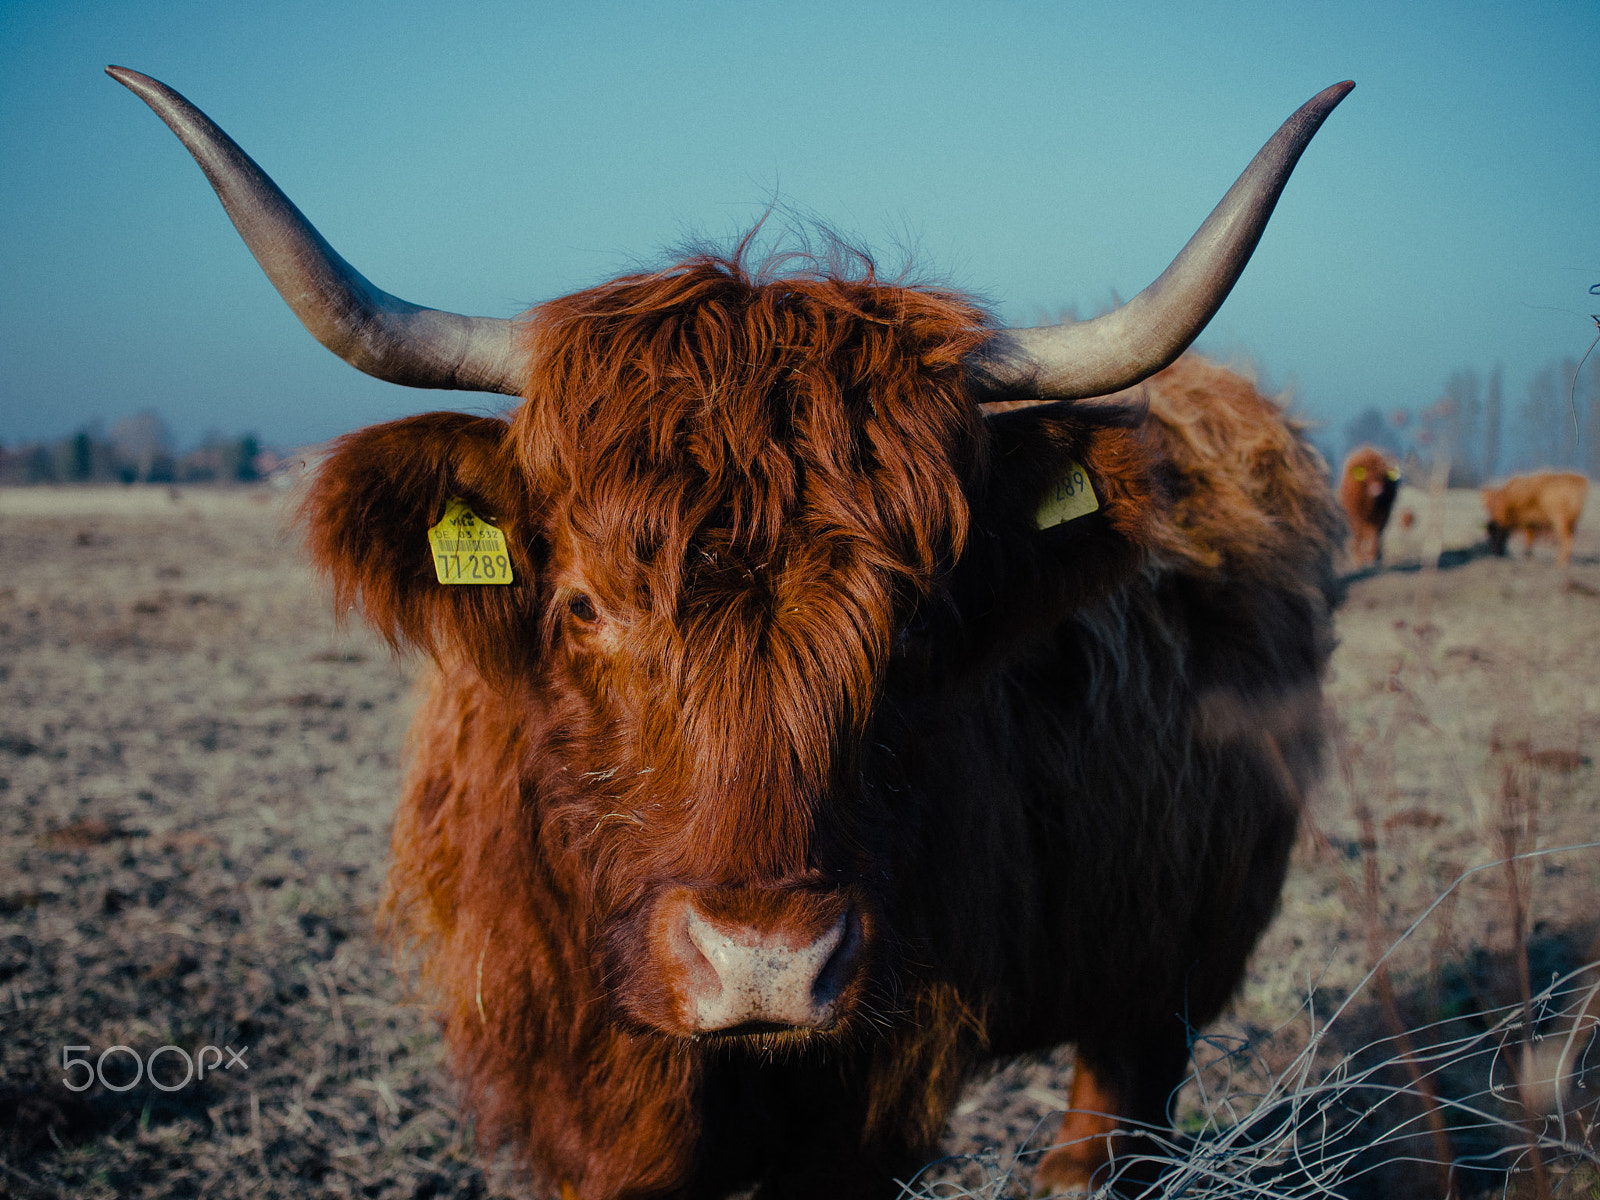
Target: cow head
753, 522
738, 511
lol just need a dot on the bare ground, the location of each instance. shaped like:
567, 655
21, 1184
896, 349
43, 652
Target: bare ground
197, 772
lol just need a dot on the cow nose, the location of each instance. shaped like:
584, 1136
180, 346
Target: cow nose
733, 975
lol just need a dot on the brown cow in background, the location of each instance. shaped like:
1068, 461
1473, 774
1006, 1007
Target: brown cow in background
843, 726
1542, 504
1367, 488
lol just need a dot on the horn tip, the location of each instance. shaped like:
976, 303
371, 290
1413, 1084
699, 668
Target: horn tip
130, 79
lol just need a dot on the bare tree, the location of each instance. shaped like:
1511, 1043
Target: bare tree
1546, 419
1460, 427
1491, 424
1370, 428
140, 441
1591, 427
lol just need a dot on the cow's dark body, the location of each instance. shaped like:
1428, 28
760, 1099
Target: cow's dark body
1069, 829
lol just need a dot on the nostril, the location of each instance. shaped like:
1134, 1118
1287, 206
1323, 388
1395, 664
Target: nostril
840, 968
691, 955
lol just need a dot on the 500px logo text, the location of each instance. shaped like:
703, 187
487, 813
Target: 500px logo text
193, 1068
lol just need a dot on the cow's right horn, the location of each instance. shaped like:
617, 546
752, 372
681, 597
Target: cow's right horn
1117, 350
363, 324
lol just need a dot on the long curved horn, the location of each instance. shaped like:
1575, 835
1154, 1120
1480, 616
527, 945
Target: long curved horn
381, 334
1117, 350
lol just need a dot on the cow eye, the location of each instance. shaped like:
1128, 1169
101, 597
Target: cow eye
915, 628
581, 607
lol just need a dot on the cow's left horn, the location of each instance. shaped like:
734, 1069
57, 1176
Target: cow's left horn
363, 324
1117, 350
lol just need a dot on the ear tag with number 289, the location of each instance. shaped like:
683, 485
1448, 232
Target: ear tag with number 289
1069, 498
467, 549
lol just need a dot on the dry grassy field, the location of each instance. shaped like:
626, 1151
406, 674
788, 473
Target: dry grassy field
197, 772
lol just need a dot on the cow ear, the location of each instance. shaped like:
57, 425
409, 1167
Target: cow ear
1063, 516
367, 515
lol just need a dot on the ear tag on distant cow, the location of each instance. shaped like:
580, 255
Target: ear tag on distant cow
1069, 498
467, 549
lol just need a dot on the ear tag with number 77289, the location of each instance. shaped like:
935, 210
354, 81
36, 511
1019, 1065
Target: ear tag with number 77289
1069, 498
467, 549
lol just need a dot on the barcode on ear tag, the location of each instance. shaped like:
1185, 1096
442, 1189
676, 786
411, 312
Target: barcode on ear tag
1070, 497
467, 549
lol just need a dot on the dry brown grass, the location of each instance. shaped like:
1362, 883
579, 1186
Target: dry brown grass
197, 779
198, 775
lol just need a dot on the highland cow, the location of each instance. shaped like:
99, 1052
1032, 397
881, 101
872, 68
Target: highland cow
867, 693
1544, 504
1367, 488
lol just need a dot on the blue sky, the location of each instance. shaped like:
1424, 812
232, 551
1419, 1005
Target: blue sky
484, 157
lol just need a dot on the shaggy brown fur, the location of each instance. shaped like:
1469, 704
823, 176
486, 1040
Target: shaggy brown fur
785, 633
1545, 504
1367, 488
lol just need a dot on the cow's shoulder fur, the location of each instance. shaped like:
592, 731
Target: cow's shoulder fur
1249, 494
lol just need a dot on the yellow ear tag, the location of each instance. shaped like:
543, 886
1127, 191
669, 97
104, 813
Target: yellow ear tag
467, 549
1070, 498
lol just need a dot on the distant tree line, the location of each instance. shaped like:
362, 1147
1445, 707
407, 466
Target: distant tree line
138, 449
1472, 427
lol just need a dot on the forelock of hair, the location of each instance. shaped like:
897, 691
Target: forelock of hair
799, 397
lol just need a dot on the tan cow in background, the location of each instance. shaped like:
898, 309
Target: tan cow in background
1367, 488
1543, 504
